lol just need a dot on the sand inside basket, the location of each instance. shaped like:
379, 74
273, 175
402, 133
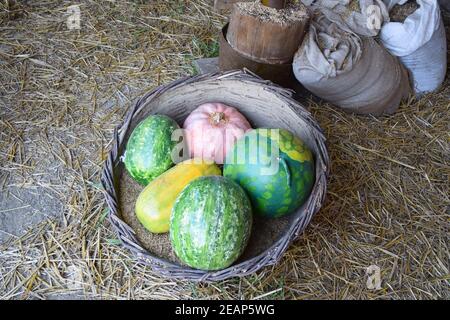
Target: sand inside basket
399, 13
295, 11
268, 230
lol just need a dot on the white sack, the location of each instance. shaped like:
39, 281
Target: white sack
356, 74
420, 43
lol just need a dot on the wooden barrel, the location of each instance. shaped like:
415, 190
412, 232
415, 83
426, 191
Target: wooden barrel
267, 35
281, 74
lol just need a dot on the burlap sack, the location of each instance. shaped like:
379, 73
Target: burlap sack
365, 19
356, 74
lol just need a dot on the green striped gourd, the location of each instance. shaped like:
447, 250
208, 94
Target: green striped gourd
211, 223
149, 149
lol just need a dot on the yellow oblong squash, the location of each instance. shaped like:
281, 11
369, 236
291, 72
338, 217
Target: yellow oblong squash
154, 204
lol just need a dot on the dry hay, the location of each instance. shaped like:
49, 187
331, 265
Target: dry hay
62, 93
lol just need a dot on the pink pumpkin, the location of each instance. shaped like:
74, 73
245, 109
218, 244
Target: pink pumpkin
212, 129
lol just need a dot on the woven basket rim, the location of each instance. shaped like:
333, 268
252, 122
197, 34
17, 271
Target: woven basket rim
271, 255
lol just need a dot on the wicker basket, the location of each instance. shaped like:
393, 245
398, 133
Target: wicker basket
265, 105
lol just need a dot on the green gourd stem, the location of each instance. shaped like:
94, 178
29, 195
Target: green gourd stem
287, 170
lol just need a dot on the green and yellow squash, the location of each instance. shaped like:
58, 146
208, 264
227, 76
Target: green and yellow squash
275, 168
154, 204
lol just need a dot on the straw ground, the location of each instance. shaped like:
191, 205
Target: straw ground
63, 91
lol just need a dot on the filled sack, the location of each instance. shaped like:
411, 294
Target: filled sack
354, 73
420, 43
363, 17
